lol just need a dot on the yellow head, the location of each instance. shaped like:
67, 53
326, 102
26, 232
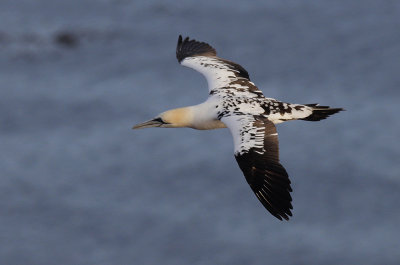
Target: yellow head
174, 118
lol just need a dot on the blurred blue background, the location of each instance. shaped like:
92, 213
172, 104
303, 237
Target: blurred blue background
78, 186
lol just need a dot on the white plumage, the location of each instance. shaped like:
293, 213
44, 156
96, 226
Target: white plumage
235, 102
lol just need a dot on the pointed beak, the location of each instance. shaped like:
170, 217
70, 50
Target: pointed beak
148, 124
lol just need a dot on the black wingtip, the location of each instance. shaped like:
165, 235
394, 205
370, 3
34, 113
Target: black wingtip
282, 216
269, 181
186, 48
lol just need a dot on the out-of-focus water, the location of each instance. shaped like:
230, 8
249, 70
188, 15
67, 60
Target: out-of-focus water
78, 186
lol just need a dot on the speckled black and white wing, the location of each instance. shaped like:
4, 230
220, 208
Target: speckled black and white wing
257, 153
220, 73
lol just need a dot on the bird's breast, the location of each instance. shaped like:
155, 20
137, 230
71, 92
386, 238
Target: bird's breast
209, 125
205, 115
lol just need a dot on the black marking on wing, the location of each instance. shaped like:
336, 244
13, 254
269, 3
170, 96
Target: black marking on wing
189, 48
266, 176
273, 106
239, 70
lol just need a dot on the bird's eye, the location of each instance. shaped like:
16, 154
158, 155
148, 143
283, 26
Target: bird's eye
159, 120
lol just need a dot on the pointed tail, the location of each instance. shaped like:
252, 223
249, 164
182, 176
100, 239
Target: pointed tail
320, 112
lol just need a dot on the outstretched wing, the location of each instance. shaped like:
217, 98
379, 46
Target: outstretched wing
220, 73
257, 153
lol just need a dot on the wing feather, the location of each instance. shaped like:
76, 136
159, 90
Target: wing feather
220, 73
189, 48
257, 153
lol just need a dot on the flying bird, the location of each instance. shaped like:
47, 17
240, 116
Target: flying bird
236, 103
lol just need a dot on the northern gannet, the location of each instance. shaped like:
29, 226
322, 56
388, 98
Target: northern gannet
235, 102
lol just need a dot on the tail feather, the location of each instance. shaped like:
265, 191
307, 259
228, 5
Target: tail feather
320, 112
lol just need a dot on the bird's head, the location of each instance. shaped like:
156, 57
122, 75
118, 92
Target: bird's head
174, 118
